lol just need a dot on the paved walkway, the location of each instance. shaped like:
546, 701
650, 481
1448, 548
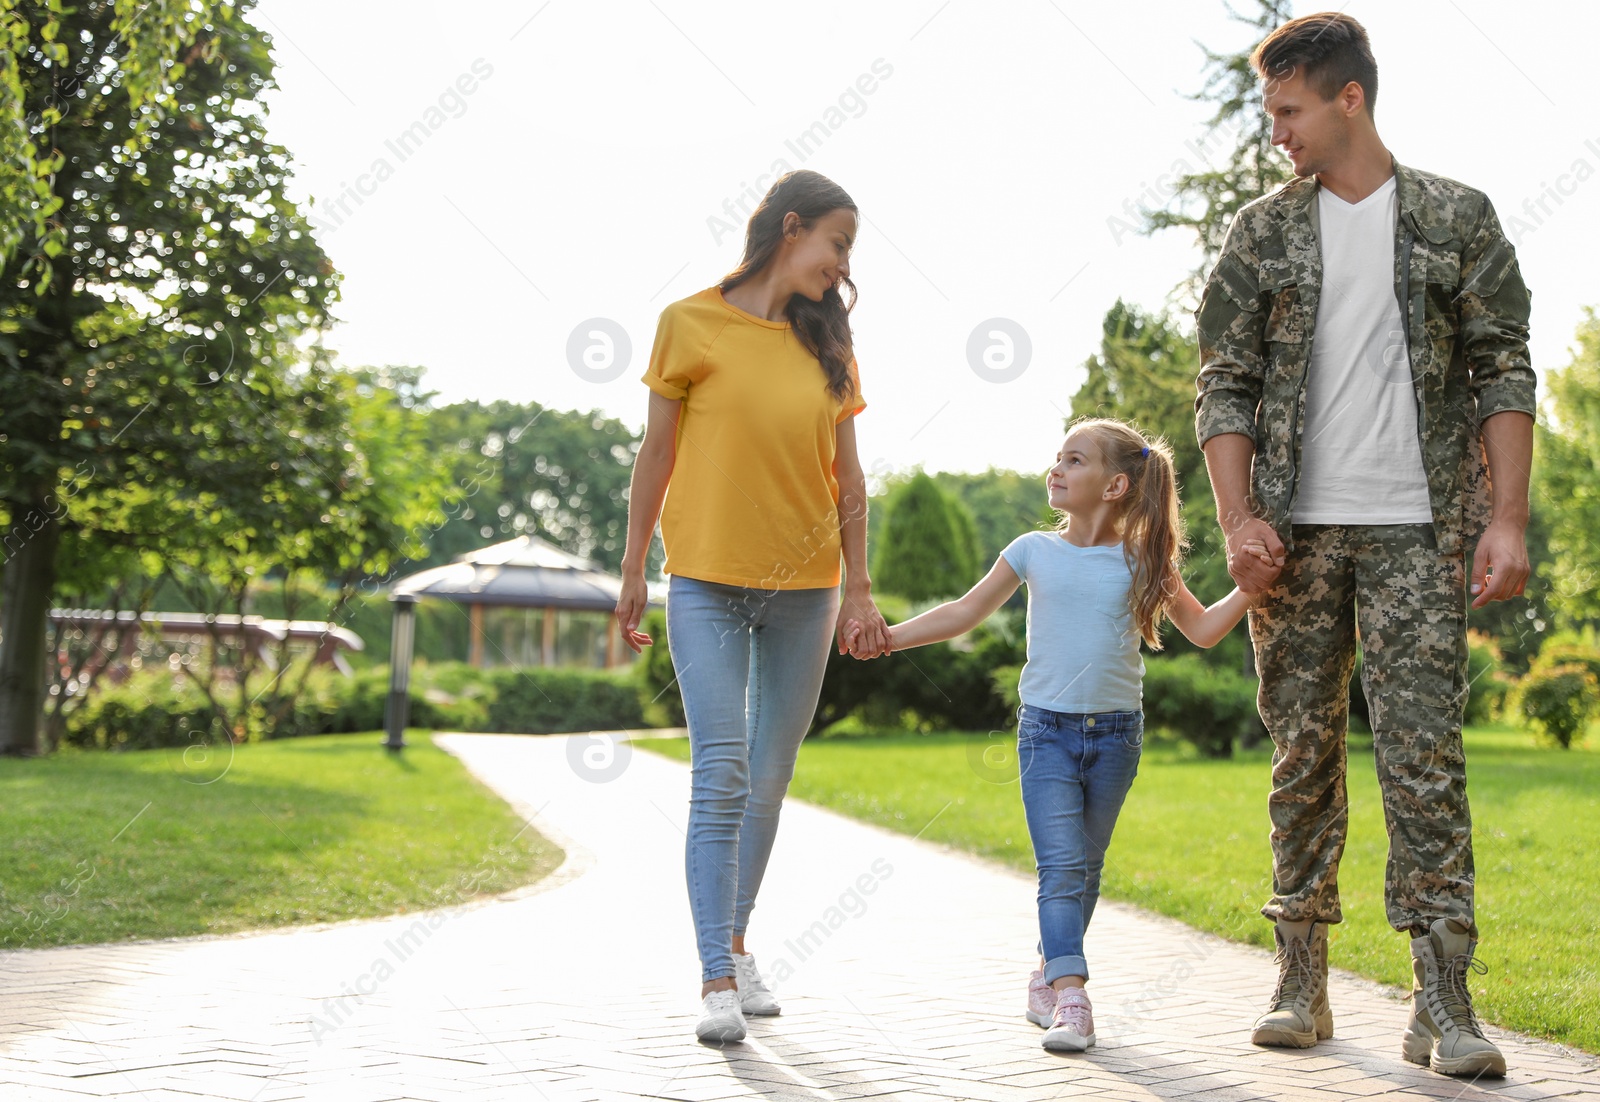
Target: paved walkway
902, 965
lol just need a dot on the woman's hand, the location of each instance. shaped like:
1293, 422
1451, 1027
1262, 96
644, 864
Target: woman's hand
630, 609
852, 639
870, 637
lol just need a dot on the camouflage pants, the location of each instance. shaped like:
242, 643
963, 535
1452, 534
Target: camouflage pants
1409, 603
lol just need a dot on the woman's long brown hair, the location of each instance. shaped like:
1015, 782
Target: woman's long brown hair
1152, 524
823, 327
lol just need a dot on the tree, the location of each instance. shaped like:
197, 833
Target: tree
1004, 505
1205, 198
142, 47
167, 278
925, 552
558, 474
300, 515
1566, 475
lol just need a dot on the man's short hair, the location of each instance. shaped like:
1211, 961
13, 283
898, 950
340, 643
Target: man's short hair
1329, 48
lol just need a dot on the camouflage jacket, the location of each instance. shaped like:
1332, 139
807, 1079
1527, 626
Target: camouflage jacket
1466, 315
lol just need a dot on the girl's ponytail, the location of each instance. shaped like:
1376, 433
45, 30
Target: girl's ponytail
1154, 541
1152, 528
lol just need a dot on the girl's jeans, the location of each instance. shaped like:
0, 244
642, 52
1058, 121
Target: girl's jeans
1076, 769
749, 664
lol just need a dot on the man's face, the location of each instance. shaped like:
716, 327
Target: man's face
1314, 132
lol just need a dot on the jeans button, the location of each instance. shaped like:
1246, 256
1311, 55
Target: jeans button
1089, 722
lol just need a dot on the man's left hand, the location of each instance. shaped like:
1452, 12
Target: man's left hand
1500, 564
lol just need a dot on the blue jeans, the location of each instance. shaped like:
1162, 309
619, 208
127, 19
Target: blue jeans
749, 665
1076, 770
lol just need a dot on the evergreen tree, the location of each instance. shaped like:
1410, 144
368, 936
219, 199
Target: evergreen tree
1567, 483
926, 550
1206, 200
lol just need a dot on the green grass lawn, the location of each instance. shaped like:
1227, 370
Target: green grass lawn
1192, 843
109, 846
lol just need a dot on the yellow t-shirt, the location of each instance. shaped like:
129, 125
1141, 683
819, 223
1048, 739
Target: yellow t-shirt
753, 500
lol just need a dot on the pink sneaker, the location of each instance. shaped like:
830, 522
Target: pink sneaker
1041, 1001
1072, 1025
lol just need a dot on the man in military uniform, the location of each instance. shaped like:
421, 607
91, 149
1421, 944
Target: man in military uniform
1366, 411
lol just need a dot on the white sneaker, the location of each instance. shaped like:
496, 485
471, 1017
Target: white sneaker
754, 997
722, 1021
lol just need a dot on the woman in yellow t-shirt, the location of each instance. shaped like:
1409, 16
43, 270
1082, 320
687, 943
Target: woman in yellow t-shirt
751, 440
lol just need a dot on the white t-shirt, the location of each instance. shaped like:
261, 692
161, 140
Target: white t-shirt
1361, 457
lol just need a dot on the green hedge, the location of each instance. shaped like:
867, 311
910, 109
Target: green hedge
1209, 707
939, 687
551, 701
657, 681
973, 687
154, 709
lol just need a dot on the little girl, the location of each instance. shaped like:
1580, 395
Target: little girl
1099, 583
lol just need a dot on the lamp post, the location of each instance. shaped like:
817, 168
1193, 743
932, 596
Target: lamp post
398, 707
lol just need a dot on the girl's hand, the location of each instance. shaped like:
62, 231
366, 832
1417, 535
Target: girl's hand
1258, 548
631, 606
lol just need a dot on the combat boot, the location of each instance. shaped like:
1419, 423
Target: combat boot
1300, 1015
1443, 1032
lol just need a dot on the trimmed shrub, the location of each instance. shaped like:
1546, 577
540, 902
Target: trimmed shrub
937, 687
1558, 701
155, 709
657, 680
152, 709
1488, 683
1570, 648
553, 701
1007, 682
1207, 706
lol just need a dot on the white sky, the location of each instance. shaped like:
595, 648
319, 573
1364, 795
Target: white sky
577, 179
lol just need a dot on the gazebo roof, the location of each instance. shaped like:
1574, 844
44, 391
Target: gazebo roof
525, 572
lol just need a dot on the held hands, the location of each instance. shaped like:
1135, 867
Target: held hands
1255, 554
1258, 548
852, 638
857, 607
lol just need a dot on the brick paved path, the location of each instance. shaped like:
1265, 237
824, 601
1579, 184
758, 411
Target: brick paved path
902, 964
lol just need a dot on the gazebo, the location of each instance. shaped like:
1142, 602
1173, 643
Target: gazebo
530, 602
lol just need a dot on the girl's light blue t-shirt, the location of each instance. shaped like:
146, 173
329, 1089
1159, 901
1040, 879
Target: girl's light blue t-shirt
1083, 647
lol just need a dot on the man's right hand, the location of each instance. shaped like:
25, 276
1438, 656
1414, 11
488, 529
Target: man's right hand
1250, 571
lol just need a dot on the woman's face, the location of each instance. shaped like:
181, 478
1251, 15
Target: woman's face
819, 258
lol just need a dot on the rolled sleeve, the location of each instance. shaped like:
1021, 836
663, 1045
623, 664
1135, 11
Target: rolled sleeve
677, 359
1229, 325
664, 388
1493, 307
855, 403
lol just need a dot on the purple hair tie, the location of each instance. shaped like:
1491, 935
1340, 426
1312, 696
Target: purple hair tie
1145, 451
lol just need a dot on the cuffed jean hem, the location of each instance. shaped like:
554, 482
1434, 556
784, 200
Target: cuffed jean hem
1065, 966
